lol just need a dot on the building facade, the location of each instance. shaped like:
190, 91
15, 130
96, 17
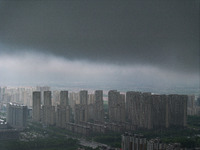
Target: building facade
36, 106
63, 110
116, 106
156, 111
17, 115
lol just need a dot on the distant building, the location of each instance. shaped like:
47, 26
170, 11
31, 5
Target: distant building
17, 115
36, 106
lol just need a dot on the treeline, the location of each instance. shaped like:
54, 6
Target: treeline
40, 144
112, 139
188, 142
193, 121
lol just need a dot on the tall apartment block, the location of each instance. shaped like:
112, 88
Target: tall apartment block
42, 89
48, 111
116, 106
73, 99
81, 110
98, 106
91, 98
36, 106
17, 115
55, 98
95, 107
177, 110
83, 97
63, 110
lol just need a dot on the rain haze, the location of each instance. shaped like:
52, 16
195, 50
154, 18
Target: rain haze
136, 43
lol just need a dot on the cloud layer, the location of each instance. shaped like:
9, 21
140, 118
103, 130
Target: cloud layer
37, 68
160, 34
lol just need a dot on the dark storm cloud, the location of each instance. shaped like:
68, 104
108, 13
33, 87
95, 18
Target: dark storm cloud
158, 33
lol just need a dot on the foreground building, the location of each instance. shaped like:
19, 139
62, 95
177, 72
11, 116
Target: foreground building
17, 115
156, 111
133, 142
139, 142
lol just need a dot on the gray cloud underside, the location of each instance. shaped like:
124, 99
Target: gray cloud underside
158, 33
33, 68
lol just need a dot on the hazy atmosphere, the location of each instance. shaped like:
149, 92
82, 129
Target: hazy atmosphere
129, 42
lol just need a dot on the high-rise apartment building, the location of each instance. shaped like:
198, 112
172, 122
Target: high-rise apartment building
42, 89
48, 111
36, 106
91, 98
83, 97
47, 98
81, 110
116, 106
98, 106
156, 111
64, 100
63, 110
73, 99
17, 115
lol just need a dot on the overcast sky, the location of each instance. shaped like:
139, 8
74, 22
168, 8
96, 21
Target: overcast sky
149, 42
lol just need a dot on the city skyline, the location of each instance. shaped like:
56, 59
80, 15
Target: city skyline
133, 43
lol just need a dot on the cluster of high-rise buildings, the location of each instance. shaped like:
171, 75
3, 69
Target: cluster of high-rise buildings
82, 112
49, 114
156, 111
20, 95
65, 113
